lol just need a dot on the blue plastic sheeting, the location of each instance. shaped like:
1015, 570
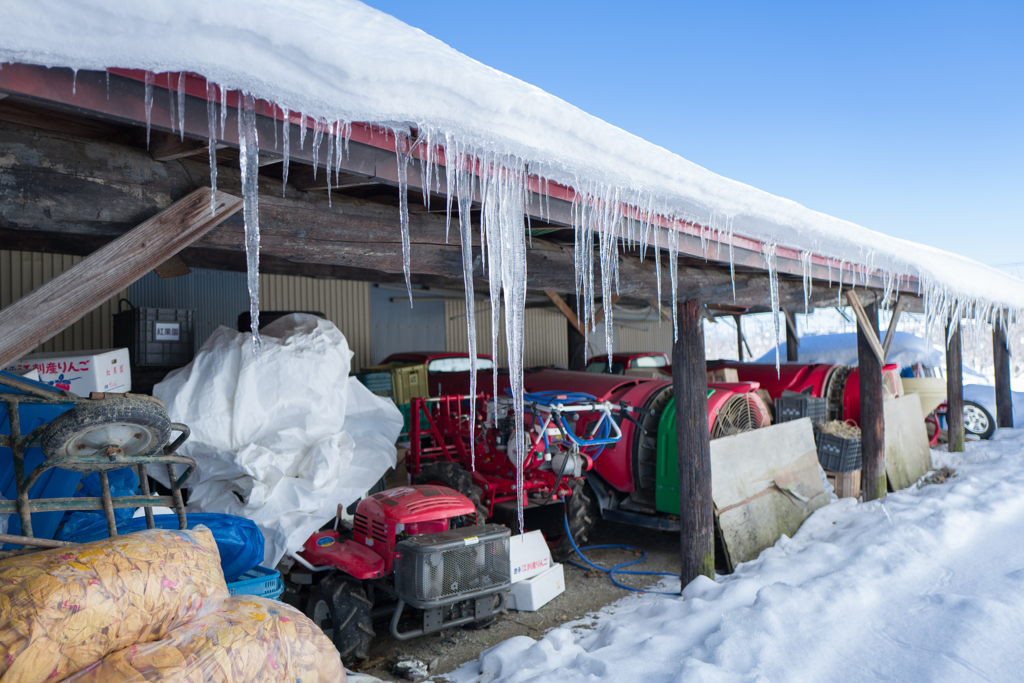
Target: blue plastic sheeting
123, 482
55, 483
238, 539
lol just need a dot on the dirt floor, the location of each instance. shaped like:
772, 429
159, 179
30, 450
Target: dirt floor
585, 592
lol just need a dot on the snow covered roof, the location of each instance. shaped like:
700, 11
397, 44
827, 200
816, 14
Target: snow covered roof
341, 60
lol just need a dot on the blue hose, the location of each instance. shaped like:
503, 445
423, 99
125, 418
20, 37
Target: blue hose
617, 569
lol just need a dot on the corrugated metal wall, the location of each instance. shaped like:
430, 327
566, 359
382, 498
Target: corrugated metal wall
398, 327
346, 303
643, 336
23, 271
216, 296
545, 338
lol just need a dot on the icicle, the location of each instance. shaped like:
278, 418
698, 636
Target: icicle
318, 133
773, 278
462, 180
273, 117
402, 151
673, 272
327, 175
286, 134
805, 263
181, 105
732, 263
74, 82
171, 109
149, 102
107, 74
302, 131
249, 162
211, 122
223, 110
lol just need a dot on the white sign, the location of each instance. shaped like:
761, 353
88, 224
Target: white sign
168, 331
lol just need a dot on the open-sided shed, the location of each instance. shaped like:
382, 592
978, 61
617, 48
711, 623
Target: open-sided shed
343, 144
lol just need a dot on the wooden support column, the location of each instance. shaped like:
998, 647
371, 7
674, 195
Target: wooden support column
1001, 360
739, 337
577, 343
68, 297
689, 382
954, 388
792, 339
872, 423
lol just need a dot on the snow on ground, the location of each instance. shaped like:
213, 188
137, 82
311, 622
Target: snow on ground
927, 585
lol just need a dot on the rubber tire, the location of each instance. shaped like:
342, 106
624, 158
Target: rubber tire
583, 512
85, 416
990, 423
452, 475
349, 622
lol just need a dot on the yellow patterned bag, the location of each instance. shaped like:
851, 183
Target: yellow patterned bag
244, 639
62, 610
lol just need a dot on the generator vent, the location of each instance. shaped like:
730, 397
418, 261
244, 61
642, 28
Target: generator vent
740, 413
438, 569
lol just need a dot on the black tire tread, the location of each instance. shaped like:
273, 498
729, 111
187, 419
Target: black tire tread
987, 434
583, 512
92, 414
351, 616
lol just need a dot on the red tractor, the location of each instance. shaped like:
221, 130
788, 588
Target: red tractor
414, 554
579, 477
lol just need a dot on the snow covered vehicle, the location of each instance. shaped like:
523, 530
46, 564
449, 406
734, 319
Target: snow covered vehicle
415, 554
615, 480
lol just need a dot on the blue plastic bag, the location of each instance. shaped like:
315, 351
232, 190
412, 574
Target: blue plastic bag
239, 540
123, 482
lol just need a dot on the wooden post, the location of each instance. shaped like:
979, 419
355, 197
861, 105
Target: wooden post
872, 423
739, 337
577, 344
689, 382
792, 339
1001, 360
66, 298
954, 388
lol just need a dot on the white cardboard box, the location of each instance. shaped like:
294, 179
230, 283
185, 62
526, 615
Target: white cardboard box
105, 370
529, 595
529, 555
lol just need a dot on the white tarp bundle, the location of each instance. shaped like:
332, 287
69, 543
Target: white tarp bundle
284, 438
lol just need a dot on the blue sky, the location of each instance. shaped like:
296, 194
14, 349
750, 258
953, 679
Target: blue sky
904, 117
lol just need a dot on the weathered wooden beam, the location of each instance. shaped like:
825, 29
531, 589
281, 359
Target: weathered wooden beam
792, 338
954, 388
301, 178
71, 295
739, 336
168, 146
696, 508
864, 322
872, 417
1001, 361
569, 314
890, 333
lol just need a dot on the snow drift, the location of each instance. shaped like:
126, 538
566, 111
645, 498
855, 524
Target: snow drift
284, 438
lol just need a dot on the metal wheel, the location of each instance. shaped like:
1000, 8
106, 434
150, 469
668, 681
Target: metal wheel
134, 425
978, 421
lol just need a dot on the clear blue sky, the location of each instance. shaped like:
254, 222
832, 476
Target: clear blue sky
904, 117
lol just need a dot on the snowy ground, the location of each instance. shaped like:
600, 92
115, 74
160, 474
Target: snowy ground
927, 585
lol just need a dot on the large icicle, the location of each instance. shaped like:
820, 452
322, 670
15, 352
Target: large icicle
673, 274
211, 122
286, 134
460, 183
148, 98
402, 151
249, 162
805, 264
773, 283
181, 105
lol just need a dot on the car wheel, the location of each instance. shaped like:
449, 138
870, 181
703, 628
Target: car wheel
978, 421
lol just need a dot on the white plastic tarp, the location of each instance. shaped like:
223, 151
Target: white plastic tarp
284, 438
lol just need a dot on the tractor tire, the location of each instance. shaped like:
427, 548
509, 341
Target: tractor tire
452, 475
583, 512
343, 612
978, 421
137, 426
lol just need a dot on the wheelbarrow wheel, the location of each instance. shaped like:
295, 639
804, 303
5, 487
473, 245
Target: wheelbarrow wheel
135, 425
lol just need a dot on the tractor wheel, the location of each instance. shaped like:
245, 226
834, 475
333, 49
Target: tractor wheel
452, 475
583, 512
343, 612
978, 421
136, 425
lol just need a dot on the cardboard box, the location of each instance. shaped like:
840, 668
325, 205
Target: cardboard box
105, 370
529, 555
723, 375
533, 593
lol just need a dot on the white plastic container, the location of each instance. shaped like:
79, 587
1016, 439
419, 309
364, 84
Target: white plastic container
529, 555
104, 370
529, 595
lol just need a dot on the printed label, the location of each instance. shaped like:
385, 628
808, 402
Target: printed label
472, 540
324, 541
168, 331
